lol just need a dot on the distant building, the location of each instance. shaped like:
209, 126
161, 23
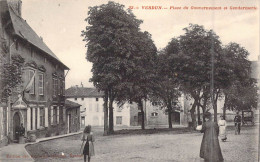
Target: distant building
156, 115
92, 112
73, 116
42, 108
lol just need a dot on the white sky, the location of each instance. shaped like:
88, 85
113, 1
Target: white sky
60, 23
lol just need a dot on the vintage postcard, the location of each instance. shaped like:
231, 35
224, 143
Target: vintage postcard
129, 80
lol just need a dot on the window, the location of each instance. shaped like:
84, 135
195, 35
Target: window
54, 115
58, 88
82, 99
75, 99
31, 81
41, 81
62, 87
58, 115
96, 99
61, 114
55, 86
82, 121
119, 120
42, 116
154, 114
119, 109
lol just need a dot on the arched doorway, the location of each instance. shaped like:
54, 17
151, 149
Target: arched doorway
16, 125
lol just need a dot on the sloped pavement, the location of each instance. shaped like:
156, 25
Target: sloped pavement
16, 152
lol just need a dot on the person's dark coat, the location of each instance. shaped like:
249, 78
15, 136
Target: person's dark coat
210, 149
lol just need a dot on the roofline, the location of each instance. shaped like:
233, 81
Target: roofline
9, 6
65, 67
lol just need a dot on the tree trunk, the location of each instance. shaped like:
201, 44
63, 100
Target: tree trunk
192, 113
169, 106
106, 114
170, 117
225, 107
111, 113
198, 113
215, 112
140, 104
205, 99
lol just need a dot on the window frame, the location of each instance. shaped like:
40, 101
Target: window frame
41, 85
30, 75
42, 117
55, 86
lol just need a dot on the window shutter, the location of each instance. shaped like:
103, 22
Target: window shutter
46, 117
58, 115
52, 115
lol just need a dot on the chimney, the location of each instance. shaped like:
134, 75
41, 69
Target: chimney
16, 5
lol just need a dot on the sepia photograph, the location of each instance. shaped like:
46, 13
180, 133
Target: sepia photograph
129, 80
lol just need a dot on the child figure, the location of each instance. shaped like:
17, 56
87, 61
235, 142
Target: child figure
89, 146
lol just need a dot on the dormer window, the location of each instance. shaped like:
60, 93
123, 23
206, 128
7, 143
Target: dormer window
154, 114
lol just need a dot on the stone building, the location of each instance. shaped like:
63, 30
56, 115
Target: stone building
92, 112
73, 116
156, 116
39, 102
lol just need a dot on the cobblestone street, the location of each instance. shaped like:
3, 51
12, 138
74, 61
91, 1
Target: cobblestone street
150, 147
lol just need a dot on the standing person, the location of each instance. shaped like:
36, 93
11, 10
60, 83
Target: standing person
222, 128
22, 130
210, 149
89, 146
237, 121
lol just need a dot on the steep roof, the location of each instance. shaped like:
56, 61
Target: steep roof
76, 91
24, 31
71, 104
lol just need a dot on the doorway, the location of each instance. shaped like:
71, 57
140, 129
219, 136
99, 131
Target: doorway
176, 118
16, 126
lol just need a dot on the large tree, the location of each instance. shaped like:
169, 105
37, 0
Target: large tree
197, 66
140, 75
241, 91
165, 92
109, 36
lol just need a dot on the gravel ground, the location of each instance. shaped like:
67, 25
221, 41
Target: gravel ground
154, 147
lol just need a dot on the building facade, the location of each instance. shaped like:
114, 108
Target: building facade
157, 116
39, 101
92, 112
73, 116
